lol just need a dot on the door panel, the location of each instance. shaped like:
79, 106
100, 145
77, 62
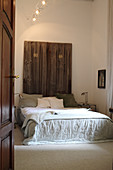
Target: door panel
51, 69
5, 73
6, 153
7, 36
60, 68
7, 8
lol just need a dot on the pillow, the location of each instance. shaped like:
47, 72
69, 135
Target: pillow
43, 103
56, 103
28, 100
49, 98
30, 95
68, 100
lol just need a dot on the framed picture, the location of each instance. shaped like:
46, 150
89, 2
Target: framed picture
102, 79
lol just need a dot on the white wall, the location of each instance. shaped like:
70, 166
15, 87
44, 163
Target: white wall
68, 21
99, 50
62, 21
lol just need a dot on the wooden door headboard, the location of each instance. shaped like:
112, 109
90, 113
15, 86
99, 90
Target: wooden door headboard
47, 68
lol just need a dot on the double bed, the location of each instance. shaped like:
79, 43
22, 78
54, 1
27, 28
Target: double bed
56, 125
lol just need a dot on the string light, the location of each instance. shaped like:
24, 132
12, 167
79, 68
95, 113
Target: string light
39, 6
43, 2
37, 11
34, 19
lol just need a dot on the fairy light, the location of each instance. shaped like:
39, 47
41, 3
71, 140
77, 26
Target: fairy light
34, 19
43, 2
37, 11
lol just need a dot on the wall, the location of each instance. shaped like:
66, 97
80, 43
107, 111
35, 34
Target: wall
99, 50
62, 21
68, 21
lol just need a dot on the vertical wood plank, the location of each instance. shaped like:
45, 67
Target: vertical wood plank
37, 71
51, 69
44, 68
47, 68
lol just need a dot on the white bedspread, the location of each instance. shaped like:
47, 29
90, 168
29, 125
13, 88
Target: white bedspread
66, 125
39, 114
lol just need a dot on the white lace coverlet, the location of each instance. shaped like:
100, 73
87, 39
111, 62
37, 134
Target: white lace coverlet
43, 126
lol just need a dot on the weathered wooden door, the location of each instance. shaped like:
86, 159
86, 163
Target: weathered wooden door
47, 68
59, 68
7, 29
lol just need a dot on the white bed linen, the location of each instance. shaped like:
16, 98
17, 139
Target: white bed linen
66, 125
42, 114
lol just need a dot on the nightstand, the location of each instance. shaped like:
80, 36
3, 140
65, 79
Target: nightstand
111, 112
15, 116
92, 107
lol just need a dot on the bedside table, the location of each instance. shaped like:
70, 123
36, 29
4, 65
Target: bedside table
111, 112
15, 117
88, 106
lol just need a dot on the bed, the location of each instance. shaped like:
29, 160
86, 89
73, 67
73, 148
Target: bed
58, 124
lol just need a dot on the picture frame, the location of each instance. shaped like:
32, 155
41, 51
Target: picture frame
102, 79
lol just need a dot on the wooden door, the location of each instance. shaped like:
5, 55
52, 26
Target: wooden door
7, 29
51, 69
35, 67
59, 68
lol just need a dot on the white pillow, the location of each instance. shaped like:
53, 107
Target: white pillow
56, 103
43, 103
48, 98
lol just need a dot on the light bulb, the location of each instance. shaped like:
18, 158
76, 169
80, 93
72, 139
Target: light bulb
34, 19
37, 11
43, 2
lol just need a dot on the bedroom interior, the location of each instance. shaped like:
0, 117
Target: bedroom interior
82, 26
78, 26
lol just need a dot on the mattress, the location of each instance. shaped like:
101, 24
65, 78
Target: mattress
43, 126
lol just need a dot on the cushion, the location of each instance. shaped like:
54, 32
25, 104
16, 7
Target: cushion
56, 103
68, 100
28, 100
50, 102
30, 95
49, 98
43, 103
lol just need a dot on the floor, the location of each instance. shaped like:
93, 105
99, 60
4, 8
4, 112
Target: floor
62, 157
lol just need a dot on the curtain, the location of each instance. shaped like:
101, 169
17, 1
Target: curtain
110, 58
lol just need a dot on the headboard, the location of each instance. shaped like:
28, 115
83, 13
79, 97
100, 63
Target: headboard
47, 68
